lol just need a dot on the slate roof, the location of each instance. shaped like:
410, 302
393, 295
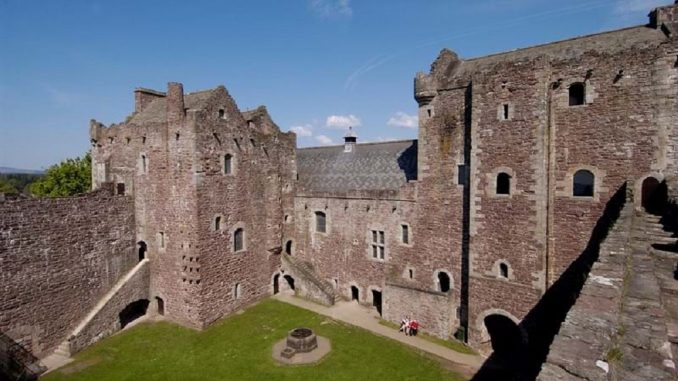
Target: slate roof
371, 166
157, 109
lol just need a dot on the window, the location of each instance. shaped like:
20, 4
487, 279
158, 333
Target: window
161, 240
238, 240
577, 94
144, 164
503, 183
121, 189
378, 244
222, 114
228, 164
461, 174
320, 223
237, 291
583, 183
410, 272
503, 270
443, 282
505, 111
217, 223
288, 247
405, 229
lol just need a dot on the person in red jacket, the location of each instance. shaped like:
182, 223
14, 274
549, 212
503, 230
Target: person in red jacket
414, 327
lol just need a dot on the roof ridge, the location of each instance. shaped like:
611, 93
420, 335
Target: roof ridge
359, 144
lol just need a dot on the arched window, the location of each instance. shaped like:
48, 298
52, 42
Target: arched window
583, 183
228, 164
503, 270
320, 222
288, 247
238, 240
577, 94
503, 183
443, 282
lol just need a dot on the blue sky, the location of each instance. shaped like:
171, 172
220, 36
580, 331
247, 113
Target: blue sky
318, 65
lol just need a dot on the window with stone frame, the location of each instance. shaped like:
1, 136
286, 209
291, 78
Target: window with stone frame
583, 183
320, 222
503, 270
405, 230
239, 240
577, 94
378, 245
228, 164
503, 183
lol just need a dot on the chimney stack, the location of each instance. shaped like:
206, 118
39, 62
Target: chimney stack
175, 103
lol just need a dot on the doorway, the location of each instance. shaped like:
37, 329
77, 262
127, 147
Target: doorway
161, 305
142, 250
376, 300
654, 196
355, 294
276, 284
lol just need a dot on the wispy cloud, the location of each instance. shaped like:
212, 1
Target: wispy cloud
569, 9
634, 7
60, 97
401, 119
331, 8
305, 130
342, 121
324, 140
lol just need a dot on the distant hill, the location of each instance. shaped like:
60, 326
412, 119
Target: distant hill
17, 170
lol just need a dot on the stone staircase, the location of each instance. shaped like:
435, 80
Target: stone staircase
311, 286
63, 352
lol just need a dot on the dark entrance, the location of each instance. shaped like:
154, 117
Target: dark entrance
654, 196
376, 300
290, 281
161, 305
142, 250
288, 247
507, 338
276, 284
355, 293
121, 189
132, 312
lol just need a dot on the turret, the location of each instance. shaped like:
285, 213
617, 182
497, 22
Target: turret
424, 88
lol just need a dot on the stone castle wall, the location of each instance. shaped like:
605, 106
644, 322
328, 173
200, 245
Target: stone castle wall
59, 257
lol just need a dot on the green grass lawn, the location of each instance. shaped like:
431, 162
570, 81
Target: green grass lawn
239, 348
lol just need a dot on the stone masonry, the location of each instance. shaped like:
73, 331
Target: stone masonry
485, 221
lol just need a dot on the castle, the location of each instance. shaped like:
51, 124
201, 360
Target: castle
200, 209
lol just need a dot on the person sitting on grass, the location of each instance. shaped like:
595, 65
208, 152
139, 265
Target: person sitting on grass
403, 324
414, 327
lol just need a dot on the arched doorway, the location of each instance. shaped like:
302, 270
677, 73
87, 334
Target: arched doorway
160, 304
142, 250
654, 195
355, 293
507, 337
132, 312
290, 281
276, 284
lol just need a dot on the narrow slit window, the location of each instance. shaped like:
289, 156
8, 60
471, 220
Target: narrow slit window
405, 233
217, 223
144, 164
320, 222
238, 240
228, 164
505, 111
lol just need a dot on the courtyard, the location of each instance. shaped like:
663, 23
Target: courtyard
240, 347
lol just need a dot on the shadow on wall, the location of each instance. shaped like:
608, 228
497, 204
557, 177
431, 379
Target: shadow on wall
407, 161
16, 362
520, 350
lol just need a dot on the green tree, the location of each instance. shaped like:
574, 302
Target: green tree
68, 178
7, 187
